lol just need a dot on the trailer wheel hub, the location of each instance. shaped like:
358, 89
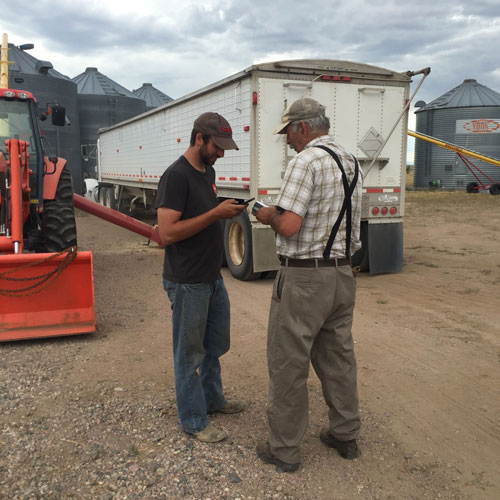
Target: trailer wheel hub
236, 243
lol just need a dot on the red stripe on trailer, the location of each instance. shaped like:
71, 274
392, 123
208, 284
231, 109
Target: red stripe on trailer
233, 178
262, 191
245, 179
222, 178
374, 190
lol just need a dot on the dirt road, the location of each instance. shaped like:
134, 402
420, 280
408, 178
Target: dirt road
94, 416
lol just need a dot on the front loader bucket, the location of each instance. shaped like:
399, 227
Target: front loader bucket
45, 295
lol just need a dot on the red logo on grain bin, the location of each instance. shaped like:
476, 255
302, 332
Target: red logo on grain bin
482, 126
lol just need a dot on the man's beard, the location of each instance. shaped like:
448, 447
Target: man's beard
205, 157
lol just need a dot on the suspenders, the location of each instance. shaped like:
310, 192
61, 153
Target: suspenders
346, 206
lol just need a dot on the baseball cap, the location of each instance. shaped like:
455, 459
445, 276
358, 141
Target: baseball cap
302, 109
218, 128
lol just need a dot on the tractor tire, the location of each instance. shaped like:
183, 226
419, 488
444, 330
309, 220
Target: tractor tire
472, 187
58, 217
238, 247
495, 189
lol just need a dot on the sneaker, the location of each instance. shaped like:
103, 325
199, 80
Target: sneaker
346, 449
264, 453
233, 406
210, 434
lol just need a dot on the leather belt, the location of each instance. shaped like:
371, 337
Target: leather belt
332, 262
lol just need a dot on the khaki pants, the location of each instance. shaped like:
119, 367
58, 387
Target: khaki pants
310, 321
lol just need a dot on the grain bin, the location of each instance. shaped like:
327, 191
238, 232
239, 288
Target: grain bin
152, 96
50, 87
467, 116
102, 102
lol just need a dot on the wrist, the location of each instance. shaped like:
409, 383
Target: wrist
273, 217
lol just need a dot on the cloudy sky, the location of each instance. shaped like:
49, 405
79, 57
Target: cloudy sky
180, 46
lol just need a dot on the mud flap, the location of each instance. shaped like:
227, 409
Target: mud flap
385, 247
62, 304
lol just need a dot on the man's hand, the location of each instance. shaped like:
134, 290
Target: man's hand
264, 214
173, 229
228, 209
285, 223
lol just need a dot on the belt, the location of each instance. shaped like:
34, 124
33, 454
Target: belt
333, 262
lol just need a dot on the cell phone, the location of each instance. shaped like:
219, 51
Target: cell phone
241, 201
257, 206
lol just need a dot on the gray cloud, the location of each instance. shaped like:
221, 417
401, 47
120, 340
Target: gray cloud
179, 54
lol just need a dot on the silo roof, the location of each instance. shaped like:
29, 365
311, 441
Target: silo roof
152, 95
469, 94
93, 82
29, 65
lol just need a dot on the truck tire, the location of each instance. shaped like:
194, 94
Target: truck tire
360, 258
109, 198
106, 197
472, 187
495, 189
101, 192
58, 217
238, 247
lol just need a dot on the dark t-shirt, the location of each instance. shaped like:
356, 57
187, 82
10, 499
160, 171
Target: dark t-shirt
197, 259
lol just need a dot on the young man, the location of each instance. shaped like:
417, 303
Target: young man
189, 223
314, 291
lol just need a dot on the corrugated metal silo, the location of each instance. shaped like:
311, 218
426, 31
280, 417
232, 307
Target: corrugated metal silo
51, 87
102, 103
152, 96
468, 116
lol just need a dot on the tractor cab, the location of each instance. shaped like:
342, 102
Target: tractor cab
19, 116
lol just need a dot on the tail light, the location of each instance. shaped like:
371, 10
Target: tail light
384, 210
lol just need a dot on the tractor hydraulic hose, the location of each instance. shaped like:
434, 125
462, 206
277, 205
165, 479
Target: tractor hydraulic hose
15, 242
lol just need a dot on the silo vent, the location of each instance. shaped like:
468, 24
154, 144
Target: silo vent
43, 67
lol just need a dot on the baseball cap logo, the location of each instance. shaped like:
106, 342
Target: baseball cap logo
218, 128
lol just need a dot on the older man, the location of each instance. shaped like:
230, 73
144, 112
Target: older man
189, 221
317, 221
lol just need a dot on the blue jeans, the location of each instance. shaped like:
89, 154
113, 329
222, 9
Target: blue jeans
200, 329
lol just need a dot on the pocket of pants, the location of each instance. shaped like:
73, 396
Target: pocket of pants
170, 287
278, 284
193, 286
196, 291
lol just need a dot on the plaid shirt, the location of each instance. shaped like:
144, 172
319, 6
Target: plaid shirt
313, 189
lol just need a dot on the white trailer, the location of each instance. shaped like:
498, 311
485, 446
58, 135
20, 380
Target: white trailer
366, 106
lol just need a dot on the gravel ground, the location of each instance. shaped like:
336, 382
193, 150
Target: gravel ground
94, 416
111, 442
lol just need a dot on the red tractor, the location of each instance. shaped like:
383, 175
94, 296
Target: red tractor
48, 291
46, 284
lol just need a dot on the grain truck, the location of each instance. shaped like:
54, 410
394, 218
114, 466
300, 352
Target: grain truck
367, 107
